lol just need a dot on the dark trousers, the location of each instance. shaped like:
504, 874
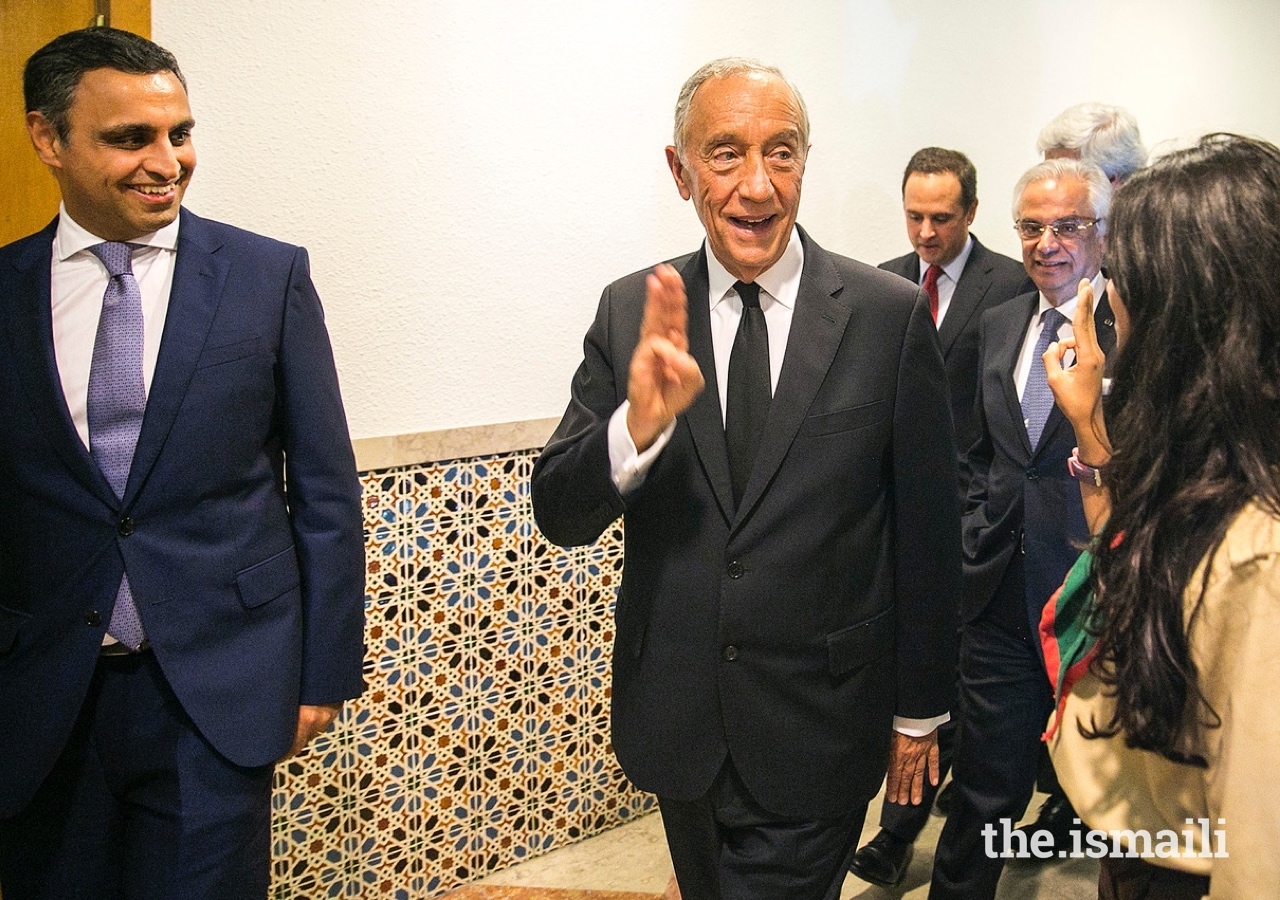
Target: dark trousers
725, 846
1005, 701
139, 806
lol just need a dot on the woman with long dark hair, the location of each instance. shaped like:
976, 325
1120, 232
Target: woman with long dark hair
1163, 644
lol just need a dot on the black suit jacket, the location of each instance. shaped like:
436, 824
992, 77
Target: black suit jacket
1020, 501
988, 279
788, 632
252, 602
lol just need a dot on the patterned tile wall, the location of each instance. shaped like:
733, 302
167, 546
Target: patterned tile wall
483, 737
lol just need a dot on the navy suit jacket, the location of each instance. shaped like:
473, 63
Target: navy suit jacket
252, 598
1020, 501
786, 632
988, 279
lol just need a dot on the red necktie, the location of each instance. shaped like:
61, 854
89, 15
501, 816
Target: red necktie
931, 288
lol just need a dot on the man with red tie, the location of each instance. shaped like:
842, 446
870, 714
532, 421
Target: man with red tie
963, 279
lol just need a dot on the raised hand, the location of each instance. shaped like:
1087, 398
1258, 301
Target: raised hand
1077, 389
664, 379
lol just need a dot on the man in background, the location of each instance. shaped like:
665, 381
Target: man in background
1104, 135
785, 624
181, 565
962, 279
1023, 521
1108, 137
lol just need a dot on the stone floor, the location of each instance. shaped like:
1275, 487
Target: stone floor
631, 863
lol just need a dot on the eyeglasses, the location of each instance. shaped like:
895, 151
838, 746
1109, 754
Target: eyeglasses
1063, 229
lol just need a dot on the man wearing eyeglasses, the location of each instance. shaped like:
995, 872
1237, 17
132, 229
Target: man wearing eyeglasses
1023, 522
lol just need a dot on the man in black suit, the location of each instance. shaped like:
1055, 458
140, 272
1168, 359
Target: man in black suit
792, 545
963, 279
1023, 521
173, 618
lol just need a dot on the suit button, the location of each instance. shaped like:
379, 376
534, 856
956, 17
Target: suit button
736, 569
124, 527
730, 653
92, 618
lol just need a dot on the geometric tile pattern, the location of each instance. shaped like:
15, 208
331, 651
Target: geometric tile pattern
482, 739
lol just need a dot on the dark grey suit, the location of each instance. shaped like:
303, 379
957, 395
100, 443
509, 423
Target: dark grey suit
988, 279
1024, 526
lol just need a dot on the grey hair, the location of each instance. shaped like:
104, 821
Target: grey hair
719, 68
1102, 134
1099, 186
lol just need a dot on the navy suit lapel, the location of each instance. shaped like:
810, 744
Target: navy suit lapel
31, 329
817, 327
704, 418
1012, 332
198, 277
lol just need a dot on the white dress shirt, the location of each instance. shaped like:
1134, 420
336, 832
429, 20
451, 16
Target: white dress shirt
77, 282
949, 278
1027, 357
779, 288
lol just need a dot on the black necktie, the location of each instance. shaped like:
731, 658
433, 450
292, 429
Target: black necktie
749, 393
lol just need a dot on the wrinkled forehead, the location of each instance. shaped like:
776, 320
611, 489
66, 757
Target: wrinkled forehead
741, 99
1056, 198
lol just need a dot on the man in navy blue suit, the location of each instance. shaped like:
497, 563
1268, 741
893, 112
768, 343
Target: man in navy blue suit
181, 563
1023, 522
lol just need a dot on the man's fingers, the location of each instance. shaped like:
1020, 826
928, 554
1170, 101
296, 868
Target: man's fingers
666, 310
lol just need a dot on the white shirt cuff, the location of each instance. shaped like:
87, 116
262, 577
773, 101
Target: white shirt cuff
627, 465
919, 727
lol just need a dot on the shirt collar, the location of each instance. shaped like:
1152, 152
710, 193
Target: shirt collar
1068, 307
781, 281
72, 237
956, 267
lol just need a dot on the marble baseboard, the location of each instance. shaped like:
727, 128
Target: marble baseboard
453, 443
502, 892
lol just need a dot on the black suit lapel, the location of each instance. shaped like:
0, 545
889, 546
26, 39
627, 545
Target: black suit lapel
197, 286
704, 418
974, 283
31, 331
817, 327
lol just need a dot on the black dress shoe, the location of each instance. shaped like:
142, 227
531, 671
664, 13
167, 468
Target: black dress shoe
883, 860
1056, 817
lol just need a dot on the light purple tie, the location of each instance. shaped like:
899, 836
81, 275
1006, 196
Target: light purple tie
1037, 398
117, 399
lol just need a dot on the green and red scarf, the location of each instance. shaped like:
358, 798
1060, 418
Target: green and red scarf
1065, 636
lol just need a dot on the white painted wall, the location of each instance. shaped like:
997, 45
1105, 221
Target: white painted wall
468, 174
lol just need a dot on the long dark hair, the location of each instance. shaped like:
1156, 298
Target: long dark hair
1194, 418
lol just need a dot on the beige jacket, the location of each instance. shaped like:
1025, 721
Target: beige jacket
1235, 644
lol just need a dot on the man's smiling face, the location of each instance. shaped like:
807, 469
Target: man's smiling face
127, 157
742, 166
